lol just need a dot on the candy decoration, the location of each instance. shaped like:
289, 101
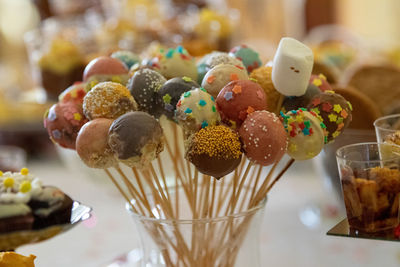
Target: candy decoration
320, 82
293, 63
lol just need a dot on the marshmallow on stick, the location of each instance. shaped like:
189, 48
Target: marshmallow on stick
293, 63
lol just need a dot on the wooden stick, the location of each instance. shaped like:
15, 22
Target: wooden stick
252, 185
120, 190
279, 105
164, 180
241, 185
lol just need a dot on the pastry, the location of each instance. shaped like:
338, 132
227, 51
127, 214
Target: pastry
305, 134
108, 100
250, 58
195, 110
219, 76
214, 150
63, 122
144, 85
92, 144
74, 93
170, 93
264, 138
296, 102
216, 58
136, 138
238, 99
12, 259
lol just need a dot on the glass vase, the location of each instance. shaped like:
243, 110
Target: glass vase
213, 237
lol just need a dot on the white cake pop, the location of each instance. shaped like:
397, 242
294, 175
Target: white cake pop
293, 63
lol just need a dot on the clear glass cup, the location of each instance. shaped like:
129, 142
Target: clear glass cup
386, 125
219, 240
12, 158
370, 176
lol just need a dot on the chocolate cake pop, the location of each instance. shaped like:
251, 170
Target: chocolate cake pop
262, 76
143, 86
334, 110
103, 69
238, 99
75, 93
127, 57
136, 138
63, 122
292, 67
296, 102
92, 144
264, 137
250, 58
108, 100
195, 110
175, 63
221, 75
170, 93
305, 134
214, 150
320, 82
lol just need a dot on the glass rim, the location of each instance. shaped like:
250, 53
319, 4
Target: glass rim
338, 156
244, 213
378, 120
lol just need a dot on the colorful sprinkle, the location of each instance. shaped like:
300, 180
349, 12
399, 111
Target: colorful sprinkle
332, 117
77, 116
187, 79
8, 182
317, 82
167, 99
56, 134
24, 171
214, 109
234, 77
237, 89
202, 103
337, 108
25, 187
250, 110
228, 96
210, 79
188, 110
344, 113
187, 94
204, 124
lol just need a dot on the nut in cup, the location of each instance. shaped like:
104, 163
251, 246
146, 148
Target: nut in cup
370, 177
385, 126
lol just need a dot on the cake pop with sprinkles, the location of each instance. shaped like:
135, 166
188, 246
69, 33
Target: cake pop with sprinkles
334, 110
305, 133
127, 57
74, 93
250, 58
262, 76
144, 86
170, 93
136, 138
321, 82
92, 144
238, 99
108, 100
214, 150
173, 63
219, 76
264, 137
103, 69
63, 122
202, 67
223, 58
195, 110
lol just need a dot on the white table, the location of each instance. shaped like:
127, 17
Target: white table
285, 240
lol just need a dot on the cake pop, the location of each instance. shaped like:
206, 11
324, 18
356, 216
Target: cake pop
75, 93
170, 93
143, 86
293, 63
202, 67
127, 57
296, 102
262, 76
264, 137
320, 82
175, 63
63, 122
305, 134
92, 144
103, 69
195, 110
334, 110
108, 100
238, 99
136, 138
214, 150
221, 75
222, 58
250, 58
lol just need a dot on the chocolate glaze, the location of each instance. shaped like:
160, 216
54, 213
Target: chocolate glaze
174, 87
131, 132
16, 223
